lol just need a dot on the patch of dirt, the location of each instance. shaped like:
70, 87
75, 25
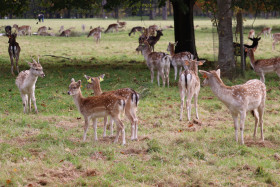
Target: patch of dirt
98, 156
258, 143
246, 167
143, 138
66, 124
133, 151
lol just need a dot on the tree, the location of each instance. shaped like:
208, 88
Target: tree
164, 11
14, 7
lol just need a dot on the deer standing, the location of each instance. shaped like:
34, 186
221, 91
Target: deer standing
91, 33
276, 38
136, 29
156, 61
263, 66
14, 51
97, 107
131, 103
189, 85
152, 40
253, 46
239, 99
112, 27
26, 81
178, 60
265, 31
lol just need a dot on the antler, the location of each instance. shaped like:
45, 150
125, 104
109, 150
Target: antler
38, 59
34, 61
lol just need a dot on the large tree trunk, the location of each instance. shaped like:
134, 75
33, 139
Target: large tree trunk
164, 12
183, 26
152, 10
226, 58
117, 12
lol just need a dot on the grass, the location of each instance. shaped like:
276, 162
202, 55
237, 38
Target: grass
46, 149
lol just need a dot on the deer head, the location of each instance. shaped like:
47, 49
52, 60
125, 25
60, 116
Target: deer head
209, 76
93, 81
36, 68
74, 87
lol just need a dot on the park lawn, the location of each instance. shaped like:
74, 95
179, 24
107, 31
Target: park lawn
47, 148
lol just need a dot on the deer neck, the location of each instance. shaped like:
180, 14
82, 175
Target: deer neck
78, 100
172, 50
252, 59
146, 52
223, 92
97, 89
31, 79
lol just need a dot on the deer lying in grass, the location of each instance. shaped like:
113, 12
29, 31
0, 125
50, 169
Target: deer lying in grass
156, 61
136, 29
179, 59
131, 103
263, 66
42, 29
26, 29
276, 38
14, 51
66, 33
26, 81
251, 33
97, 107
265, 31
189, 85
112, 27
239, 99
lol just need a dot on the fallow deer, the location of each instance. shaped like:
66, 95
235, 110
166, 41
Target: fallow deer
265, 31
253, 46
189, 85
112, 27
98, 107
26, 81
132, 100
263, 66
42, 29
178, 60
251, 33
97, 36
136, 29
14, 51
61, 29
156, 61
66, 33
91, 33
122, 24
152, 40
276, 38
239, 99
153, 29
26, 29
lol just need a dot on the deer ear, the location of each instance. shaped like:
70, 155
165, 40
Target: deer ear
79, 82
72, 80
200, 63
87, 77
218, 72
101, 77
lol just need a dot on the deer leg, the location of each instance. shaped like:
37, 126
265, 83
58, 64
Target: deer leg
105, 126
120, 129
17, 64
195, 105
182, 95
167, 76
29, 101
242, 122
112, 126
235, 120
85, 128
12, 64
24, 102
94, 121
158, 78
34, 101
152, 75
261, 111
175, 70
273, 45
189, 104
262, 77
256, 115
162, 77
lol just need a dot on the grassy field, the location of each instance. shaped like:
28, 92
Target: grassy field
47, 148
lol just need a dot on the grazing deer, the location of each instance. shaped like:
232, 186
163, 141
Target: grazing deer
14, 51
276, 38
152, 40
26, 81
265, 31
132, 100
97, 107
179, 59
239, 99
26, 29
263, 66
189, 85
153, 29
66, 33
112, 27
136, 29
91, 33
122, 24
251, 33
156, 61
42, 29
61, 29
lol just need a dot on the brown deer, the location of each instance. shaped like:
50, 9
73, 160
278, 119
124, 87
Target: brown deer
132, 100
98, 107
152, 40
122, 24
189, 85
265, 31
239, 99
91, 33
276, 39
153, 29
156, 61
263, 66
14, 51
66, 33
251, 33
42, 29
179, 59
26, 29
26, 81
136, 29
112, 27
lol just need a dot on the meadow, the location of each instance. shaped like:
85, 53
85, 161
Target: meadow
47, 148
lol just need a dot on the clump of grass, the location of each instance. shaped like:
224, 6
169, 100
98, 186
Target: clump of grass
153, 146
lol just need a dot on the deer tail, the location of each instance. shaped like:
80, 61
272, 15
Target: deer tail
135, 97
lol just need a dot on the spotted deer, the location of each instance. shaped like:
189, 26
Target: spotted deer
265, 31
156, 61
112, 27
251, 33
263, 66
189, 85
98, 107
178, 60
131, 100
14, 51
276, 39
26, 29
26, 81
239, 99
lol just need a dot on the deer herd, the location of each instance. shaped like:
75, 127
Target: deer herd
239, 99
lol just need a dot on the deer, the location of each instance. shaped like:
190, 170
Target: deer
253, 46
265, 31
42, 29
136, 29
122, 24
276, 38
83, 27
98, 107
153, 29
61, 29
14, 51
251, 33
189, 85
178, 60
239, 99
26, 81
26, 29
156, 61
97, 36
91, 33
112, 27
132, 101
152, 40
263, 66
66, 33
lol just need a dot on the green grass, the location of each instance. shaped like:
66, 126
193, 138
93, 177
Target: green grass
47, 148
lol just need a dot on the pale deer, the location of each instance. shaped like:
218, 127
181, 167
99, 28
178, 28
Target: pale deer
189, 85
251, 33
132, 100
26, 81
14, 51
276, 39
263, 66
112, 27
66, 33
153, 29
239, 99
26, 29
98, 107
136, 29
42, 29
61, 29
178, 60
265, 31
156, 61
